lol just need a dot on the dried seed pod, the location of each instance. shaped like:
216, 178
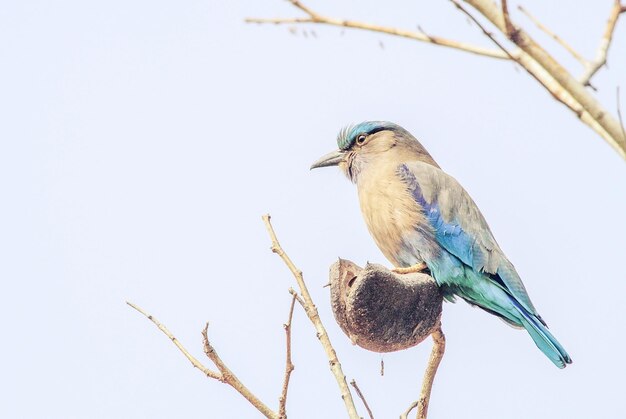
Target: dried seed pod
383, 311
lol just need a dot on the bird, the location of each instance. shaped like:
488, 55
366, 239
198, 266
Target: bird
423, 220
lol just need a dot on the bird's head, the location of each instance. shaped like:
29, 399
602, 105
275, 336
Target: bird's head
371, 141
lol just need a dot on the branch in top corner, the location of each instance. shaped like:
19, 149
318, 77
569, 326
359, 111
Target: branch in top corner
554, 36
556, 79
316, 18
605, 43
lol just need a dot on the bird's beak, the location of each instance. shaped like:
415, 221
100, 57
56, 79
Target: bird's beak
330, 159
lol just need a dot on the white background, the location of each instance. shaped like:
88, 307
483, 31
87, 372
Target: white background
141, 141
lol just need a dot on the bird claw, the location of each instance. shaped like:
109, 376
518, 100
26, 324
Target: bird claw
420, 267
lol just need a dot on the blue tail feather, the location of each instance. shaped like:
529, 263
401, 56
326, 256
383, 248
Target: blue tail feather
490, 294
542, 337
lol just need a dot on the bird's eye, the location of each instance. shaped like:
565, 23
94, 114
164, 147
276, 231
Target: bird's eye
360, 139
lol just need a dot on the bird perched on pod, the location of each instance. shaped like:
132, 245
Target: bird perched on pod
422, 219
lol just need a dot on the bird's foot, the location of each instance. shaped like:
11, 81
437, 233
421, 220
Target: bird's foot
420, 267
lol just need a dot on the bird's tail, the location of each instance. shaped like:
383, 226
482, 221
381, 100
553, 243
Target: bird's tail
542, 337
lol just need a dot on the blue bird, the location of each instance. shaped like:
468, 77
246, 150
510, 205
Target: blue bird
421, 218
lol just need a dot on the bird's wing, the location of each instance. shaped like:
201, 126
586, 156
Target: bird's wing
459, 226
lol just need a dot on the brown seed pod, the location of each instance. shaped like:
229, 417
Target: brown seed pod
383, 311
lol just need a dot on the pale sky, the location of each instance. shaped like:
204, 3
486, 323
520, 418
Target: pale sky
140, 143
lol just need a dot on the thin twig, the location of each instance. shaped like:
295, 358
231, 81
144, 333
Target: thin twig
362, 397
554, 36
282, 400
197, 364
311, 311
605, 43
619, 112
510, 29
304, 8
297, 297
484, 30
406, 413
514, 57
314, 17
224, 375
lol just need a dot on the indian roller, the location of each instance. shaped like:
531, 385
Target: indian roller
422, 219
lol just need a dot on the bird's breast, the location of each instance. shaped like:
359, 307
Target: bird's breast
392, 215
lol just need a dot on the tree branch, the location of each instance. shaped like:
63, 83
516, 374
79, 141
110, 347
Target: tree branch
282, 400
225, 375
196, 364
510, 30
412, 406
229, 378
362, 397
605, 43
537, 62
314, 17
439, 347
619, 111
548, 83
311, 311
554, 36
555, 78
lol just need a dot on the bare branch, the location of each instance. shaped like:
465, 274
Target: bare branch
224, 375
412, 406
229, 378
538, 63
484, 30
605, 43
311, 311
518, 58
297, 297
362, 397
554, 36
197, 364
314, 17
305, 9
559, 82
439, 347
282, 400
619, 111
510, 30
